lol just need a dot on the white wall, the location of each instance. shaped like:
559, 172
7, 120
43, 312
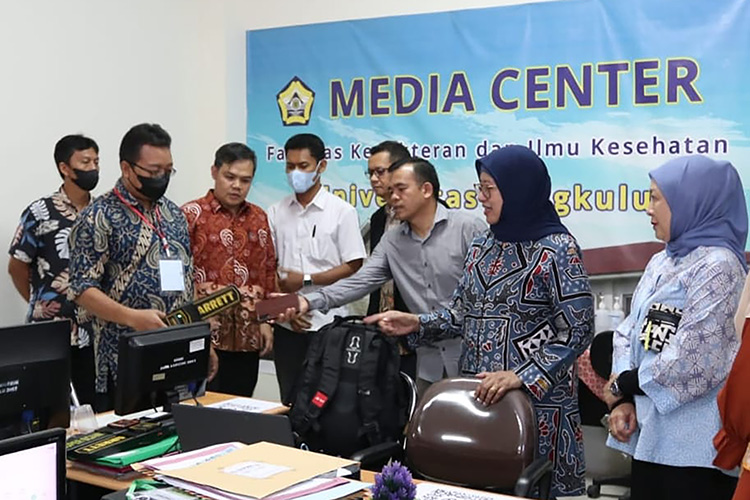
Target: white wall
98, 67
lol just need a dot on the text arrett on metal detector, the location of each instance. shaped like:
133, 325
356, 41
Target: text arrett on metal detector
206, 307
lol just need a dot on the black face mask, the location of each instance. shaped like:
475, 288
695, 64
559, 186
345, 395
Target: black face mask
153, 188
86, 179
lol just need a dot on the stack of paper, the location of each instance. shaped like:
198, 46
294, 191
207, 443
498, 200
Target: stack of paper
235, 471
185, 460
246, 404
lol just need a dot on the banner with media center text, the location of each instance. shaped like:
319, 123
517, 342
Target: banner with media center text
602, 90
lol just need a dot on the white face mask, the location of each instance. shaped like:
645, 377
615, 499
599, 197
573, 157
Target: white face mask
301, 182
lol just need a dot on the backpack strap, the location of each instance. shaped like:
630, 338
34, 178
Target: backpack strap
368, 395
329, 378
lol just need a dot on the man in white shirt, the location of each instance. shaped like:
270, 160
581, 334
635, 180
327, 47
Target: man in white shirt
318, 242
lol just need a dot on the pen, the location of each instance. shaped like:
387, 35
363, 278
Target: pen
314, 227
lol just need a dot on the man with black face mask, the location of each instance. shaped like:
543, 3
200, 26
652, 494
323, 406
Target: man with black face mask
38, 263
130, 260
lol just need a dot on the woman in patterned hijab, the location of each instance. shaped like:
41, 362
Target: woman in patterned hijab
523, 308
673, 352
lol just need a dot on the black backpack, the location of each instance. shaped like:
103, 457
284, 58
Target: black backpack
349, 395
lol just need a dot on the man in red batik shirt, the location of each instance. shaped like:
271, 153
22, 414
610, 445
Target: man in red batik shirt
232, 244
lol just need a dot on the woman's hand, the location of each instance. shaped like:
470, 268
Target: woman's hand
394, 322
494, 385
623, 422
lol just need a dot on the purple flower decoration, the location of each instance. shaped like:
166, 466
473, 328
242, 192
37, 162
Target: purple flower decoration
394, 483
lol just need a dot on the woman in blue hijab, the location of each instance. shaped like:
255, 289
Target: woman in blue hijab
673, 352
523, 308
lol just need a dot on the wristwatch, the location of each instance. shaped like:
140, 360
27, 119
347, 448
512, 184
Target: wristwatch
307, 280
614, 388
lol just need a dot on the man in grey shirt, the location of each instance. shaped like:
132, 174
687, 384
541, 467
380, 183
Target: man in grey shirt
424, 256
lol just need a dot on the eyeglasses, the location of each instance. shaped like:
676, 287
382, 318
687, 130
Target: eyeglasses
159, 172
484, 189
377, 172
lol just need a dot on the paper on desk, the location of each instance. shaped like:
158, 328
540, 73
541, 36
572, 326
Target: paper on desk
433, 491
303, 465
165, 494
341, 491
255, 470
305, 490
245, 404
187, 459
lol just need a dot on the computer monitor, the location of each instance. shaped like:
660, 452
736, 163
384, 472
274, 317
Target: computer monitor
33, 466
34, 377
161, 367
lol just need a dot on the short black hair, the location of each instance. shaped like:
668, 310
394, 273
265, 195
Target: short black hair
424, 171
311, 142
144, 134
396, 151
232, 152
68, 145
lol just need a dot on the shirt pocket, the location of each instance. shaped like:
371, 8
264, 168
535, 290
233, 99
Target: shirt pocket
323, 249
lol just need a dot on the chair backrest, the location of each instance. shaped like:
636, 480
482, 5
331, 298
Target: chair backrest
455, 439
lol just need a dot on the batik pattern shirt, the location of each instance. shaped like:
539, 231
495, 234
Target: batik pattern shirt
527, 307
678, 417
41, 240
232, 249
114, 250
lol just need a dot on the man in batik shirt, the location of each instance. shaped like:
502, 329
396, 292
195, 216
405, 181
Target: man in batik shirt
117, 247
232, 245
38, 263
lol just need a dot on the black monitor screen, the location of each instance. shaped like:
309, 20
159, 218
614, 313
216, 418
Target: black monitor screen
34, 377
33, 466
161, 367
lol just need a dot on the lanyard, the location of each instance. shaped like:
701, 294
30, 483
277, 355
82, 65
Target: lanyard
137, 212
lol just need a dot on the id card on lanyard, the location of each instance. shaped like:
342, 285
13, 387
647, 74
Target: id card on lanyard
171, 270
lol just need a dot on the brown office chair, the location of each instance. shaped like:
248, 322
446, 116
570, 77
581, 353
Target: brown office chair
454, 439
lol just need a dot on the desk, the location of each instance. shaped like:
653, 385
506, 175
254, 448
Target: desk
368, 477
109, 483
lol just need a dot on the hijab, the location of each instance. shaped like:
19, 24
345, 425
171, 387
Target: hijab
522, 178
707, 203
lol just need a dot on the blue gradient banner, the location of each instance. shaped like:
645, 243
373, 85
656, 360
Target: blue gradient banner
602, 90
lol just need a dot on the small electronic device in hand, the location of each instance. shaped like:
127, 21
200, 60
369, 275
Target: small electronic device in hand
271, 308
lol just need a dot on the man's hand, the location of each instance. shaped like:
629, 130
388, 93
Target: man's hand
607, 395
290, 281
142, 320
623, 422
495, 385
266, 339
213, 363
394, 322
300, 323
303, 306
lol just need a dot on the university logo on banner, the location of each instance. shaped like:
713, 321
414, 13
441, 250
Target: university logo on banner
295, 102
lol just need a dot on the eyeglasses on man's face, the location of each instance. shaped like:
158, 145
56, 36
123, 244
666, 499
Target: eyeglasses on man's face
377, 172
157, 172
484, 189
